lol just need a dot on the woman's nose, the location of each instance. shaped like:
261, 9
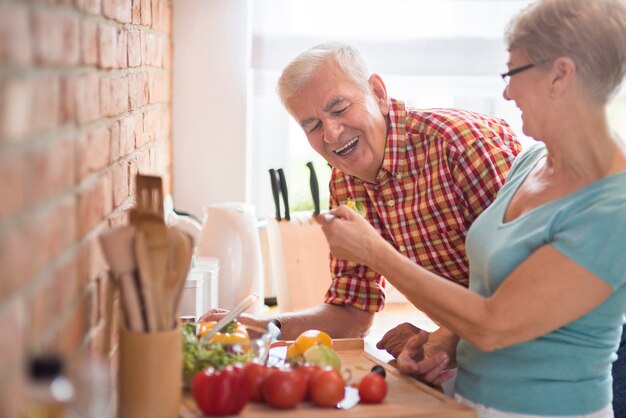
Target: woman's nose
505, 93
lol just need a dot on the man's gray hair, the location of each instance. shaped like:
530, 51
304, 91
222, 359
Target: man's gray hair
301, 68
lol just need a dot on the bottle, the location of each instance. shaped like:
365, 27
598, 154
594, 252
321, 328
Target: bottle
49, 392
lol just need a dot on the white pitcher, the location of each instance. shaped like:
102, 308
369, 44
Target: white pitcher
230, 233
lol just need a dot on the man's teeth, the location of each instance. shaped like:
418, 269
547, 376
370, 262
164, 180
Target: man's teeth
346, 148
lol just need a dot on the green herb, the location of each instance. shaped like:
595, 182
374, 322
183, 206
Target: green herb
197, 355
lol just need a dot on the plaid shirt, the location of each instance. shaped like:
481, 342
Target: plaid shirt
441, 169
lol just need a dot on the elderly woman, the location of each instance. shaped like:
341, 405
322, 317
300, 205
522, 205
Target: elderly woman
543, 317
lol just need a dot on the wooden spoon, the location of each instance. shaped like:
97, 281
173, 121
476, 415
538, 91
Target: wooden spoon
179, 263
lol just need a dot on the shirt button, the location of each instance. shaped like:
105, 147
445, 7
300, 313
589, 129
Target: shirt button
391, 202
402, 248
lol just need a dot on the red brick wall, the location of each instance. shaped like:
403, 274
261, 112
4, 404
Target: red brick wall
85, 104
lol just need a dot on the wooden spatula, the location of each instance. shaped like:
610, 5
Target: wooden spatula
151, 247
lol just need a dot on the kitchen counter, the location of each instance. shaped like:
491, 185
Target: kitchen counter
406, 397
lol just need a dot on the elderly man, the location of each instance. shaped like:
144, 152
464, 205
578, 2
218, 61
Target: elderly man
421, 177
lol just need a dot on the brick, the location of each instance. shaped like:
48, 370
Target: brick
51, 233
68, 100
66, 285
16, 109
154, 50
16, 45
167, 18
120, 10
136, 12
127, 134
140, 137
144, 48
93, 151
89, 6
146, 12
50, 170
149, 126
47, 104
38, 313
75, 329
138, 90
13, 349
122, 49
12, 199
155, 14
114, 129
119, 176
133, 168
87, 98
107, 190
56, 37
89, 47
107, 37
119, 94
134, 48
91, 204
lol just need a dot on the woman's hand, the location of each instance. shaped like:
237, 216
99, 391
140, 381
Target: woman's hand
413, 360
349, 235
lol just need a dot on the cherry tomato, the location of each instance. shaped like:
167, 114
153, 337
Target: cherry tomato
327, 388
307, 371
219, 393
254, 375
284, 389
373, 388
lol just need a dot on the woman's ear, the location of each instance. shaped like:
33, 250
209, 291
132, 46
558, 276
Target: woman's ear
564, 73
380, 92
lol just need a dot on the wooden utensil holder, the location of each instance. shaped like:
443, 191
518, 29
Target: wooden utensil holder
150, 374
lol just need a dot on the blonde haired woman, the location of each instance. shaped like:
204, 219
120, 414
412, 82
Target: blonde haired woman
542, 319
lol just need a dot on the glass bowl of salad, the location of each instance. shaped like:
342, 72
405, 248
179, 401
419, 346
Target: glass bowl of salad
233, 344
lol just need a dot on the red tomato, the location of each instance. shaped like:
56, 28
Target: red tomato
308, 371
372, 388
220, 393
327, 388
284, 389
254, 375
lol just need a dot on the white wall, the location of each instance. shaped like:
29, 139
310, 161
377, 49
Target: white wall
211, 85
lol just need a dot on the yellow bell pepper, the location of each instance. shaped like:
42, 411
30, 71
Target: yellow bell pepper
235, 332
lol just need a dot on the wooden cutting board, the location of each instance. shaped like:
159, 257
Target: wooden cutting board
406, 397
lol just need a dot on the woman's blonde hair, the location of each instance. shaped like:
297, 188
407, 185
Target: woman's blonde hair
300, 70
590, 32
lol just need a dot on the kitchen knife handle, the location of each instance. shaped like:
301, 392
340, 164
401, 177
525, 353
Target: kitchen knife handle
315, 189
283, 191
275, 192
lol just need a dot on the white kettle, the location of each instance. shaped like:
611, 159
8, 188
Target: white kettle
230, 233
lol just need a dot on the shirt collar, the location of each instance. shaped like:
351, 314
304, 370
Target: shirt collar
394, 163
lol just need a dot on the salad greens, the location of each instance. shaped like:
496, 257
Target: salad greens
198, 355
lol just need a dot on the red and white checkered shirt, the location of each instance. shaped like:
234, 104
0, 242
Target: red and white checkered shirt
441, 169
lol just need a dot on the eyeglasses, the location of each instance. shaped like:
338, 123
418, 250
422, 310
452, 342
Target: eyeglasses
510, 73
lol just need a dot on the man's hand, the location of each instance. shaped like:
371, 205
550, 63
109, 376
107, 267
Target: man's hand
216, 314
413, 361
339, 321
395, 339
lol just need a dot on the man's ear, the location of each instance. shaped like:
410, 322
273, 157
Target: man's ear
564, 73
380, 92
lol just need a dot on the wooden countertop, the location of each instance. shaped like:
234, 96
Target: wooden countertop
406, 397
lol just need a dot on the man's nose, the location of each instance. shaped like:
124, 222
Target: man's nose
332, 131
